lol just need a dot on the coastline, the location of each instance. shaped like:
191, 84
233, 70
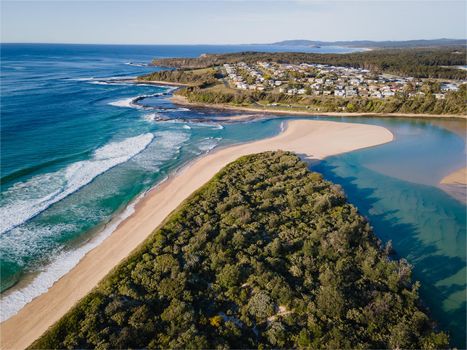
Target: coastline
156, 82
310, 139
181, 100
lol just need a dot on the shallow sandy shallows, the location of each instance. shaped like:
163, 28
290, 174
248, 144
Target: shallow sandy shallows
310, 139
455, 184
459, 177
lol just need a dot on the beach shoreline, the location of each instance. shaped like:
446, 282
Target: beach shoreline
183, 101
310, 139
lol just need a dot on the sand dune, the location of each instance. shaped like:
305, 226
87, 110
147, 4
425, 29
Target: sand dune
310, 139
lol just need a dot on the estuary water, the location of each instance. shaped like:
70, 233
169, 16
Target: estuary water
79, 147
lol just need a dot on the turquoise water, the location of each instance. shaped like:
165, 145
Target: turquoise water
394, 185
77, 150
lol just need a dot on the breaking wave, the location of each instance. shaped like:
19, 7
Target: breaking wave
14, 301
131, 102
27, 199
207, 144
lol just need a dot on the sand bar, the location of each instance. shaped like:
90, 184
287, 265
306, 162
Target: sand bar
309, 138
458, 177
455, 184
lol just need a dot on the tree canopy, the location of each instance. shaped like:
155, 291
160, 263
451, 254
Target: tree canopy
266, 255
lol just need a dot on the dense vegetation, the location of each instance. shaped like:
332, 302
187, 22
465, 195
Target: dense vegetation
199, 77
454, 103
267, 254
418, 63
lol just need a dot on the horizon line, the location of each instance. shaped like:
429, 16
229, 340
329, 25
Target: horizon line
225, 44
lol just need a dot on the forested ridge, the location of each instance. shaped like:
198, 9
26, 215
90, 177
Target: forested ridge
266, 255
417, 63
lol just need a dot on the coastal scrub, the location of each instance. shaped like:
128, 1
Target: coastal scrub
266, 254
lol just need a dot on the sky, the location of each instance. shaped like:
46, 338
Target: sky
228, 22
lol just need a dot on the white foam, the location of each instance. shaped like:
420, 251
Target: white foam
25, 200
130, 102
121, 80
150, 117
169, 88
186, 126
207, 144
81, 79
196, 124
102, 82
136, 64
166, 145
125, 102
181, 109
12, 302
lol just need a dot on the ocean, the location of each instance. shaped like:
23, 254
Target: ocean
79, 147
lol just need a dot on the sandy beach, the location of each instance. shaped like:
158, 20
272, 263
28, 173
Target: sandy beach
456, 184
310, 139
181, 100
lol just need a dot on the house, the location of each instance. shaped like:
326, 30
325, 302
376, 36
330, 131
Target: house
339, 93
376, 94
363, 92
449, 87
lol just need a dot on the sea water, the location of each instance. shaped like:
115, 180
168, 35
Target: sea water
79, 147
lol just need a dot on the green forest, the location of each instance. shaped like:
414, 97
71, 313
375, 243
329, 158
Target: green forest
454, 103
199, 77
414, 62
267, 254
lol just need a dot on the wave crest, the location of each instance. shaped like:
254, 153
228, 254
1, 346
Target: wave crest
27, 199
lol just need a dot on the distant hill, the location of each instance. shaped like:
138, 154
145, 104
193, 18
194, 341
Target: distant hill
375, 44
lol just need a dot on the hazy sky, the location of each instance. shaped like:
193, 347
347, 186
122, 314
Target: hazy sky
234, 21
